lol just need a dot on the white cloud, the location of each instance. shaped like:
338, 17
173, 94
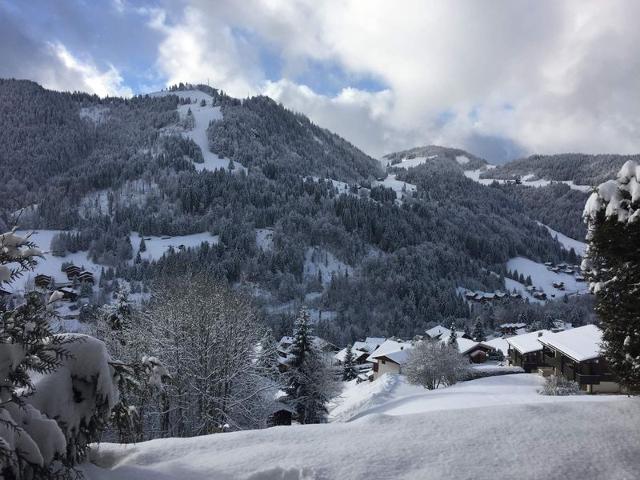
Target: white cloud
548, 76
87, 76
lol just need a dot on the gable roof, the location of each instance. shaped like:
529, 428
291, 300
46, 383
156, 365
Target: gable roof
499, 344
581, 344
528, 342
437, 331
357, 354
389, 346
400, 356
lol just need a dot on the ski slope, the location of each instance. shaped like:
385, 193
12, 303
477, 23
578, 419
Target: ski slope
464, 432
202, 115
567, 242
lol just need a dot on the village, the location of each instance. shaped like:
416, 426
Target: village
562, 351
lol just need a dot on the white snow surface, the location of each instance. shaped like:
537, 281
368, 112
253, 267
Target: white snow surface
412, 433
544, 279
158, 246
202, 116
527, 180
567, 242
498, 344
528, 342
582, 343
320, 260
397, 185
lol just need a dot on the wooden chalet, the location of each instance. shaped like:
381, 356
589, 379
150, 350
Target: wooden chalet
525, 351
72, 271
68, 294
86, 276
576, 355
43, 281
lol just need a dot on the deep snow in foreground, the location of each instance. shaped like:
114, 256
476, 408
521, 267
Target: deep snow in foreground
584, 437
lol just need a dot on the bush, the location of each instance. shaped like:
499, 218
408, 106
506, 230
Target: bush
559, 386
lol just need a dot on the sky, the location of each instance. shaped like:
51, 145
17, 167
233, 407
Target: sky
500, 78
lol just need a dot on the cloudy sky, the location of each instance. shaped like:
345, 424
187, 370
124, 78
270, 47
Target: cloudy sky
501, 78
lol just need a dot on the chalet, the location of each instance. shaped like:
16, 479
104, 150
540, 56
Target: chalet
359, 356
43, 281
558, 285
579, 278
72, 271
525, 350
389, 357
86, 276
539, 295
280, 414
576, 355
477, 352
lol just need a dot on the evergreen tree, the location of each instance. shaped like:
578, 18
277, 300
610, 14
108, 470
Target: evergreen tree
613, 270
308, 378
478, 332
349, 371
467, 331
453, 336
143, 246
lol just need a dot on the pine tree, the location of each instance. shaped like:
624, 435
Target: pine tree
612, 267
453, 336
308, 378
467, 331
349, 371
143, 246
478, 332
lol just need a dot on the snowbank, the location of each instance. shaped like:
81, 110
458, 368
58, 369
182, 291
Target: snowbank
552, 439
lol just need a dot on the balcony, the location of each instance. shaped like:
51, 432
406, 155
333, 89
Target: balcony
594, 379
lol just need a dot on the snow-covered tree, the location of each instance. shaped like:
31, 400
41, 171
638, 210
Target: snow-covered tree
143, 246
612, 267
349, 370
453, 336
57, 391
209, 338
309, 379
478, 332
433, 363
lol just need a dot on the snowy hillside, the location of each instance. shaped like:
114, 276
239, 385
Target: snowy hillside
203, 115
543, 279
483, 176
495, 428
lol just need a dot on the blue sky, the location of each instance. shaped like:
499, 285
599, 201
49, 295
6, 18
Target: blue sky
502, 79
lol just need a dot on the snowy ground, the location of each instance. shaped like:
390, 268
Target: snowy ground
413, 162
544, 279
202, 116
320, 260
567, 242
398, 186
392, 395
424, 435
158, 246
527, 180
52, 265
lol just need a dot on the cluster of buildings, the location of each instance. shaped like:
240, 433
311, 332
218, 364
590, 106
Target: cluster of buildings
566, 268
573, 353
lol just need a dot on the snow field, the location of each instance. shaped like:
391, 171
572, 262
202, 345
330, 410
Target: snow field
557, 437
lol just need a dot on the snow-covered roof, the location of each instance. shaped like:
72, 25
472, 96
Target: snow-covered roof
437, 331
528, 342
356, 354
498, 344
375, 341
513, 325
582, 343
400, 356
389, 346
464, 344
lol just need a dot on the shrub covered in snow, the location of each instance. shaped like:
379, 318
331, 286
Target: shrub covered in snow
559, 386
434, 363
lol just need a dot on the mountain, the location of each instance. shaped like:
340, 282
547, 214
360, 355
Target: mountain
258, 196
579, 168
433, 153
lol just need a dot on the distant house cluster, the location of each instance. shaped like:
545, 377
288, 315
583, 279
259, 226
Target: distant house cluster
491, 297
566, 268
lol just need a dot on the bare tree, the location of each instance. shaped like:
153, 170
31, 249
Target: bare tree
433, 363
